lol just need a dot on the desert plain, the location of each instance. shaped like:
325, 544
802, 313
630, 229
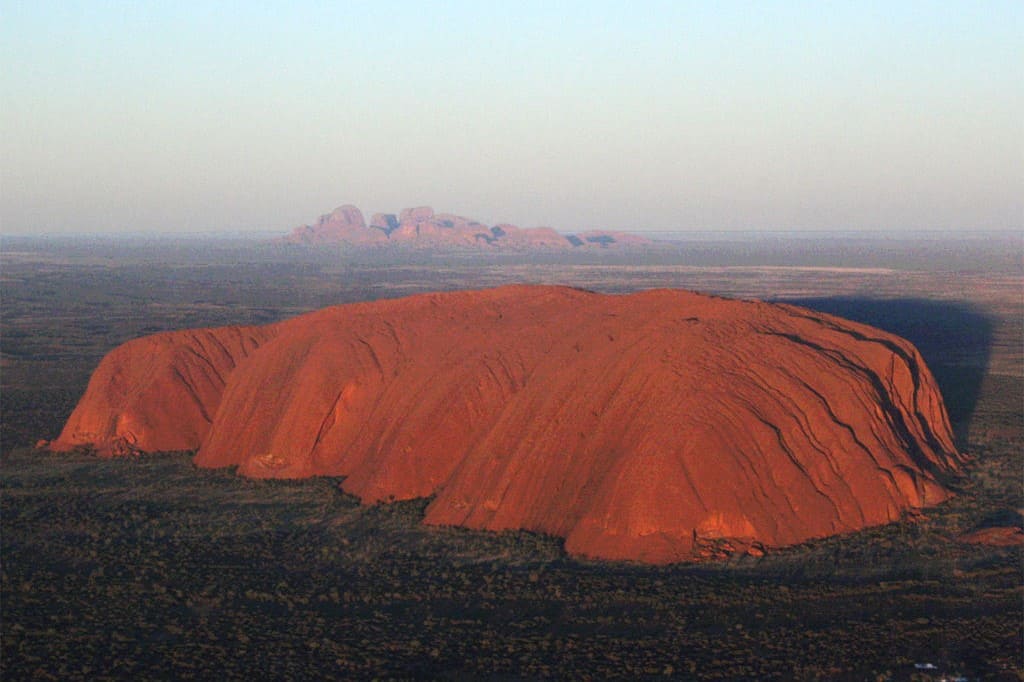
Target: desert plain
151, 567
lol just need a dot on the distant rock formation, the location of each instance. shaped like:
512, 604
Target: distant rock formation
342, 224
660, 426
421, 228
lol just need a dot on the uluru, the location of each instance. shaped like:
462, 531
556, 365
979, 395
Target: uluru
642, 427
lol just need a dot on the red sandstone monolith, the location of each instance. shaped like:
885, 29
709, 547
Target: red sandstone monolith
641, 427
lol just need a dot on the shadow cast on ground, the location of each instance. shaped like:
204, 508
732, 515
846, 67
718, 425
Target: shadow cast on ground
954, 338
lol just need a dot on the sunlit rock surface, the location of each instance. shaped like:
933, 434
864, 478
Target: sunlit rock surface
421, 228
645, 427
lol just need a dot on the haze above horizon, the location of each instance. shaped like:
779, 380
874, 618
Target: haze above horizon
660, 116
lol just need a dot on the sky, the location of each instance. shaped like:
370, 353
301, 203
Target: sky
184, 117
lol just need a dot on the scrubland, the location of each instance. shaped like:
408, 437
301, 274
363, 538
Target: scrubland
152, 568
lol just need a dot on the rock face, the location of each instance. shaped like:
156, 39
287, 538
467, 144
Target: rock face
343, 223
651, 427
423, 229
159, 392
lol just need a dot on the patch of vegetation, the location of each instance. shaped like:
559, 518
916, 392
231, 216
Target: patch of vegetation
149, 567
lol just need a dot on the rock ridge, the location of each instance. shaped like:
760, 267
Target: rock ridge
421, 228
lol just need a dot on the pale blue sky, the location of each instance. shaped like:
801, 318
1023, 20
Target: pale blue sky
179, 116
